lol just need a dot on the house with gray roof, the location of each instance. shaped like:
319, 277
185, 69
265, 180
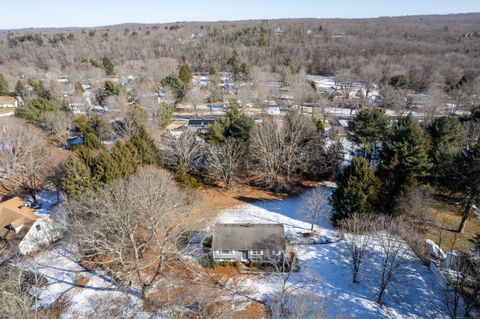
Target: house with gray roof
244, 242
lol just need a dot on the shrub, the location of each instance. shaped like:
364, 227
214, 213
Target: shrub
207, 244
184, 179
237, 264
34, 110
207, 261
81, 280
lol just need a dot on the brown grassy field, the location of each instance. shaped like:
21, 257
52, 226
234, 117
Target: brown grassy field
447, 217
5, 110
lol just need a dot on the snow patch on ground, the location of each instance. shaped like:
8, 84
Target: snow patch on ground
46, 201
325, 270
59, 266
283, 212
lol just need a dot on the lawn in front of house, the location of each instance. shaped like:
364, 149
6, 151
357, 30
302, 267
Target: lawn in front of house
5, 110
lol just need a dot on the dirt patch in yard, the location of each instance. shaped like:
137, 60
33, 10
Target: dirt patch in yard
222, 198
446, 217
204, 292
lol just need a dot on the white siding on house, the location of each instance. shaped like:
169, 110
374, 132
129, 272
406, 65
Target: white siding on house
43, 232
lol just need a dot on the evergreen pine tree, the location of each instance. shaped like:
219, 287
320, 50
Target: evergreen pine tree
166, 114
236, 125
215, 132
85, 155
239, 124
125, 159
185, 74
369, 127
76, 180
404, 158
20, 90
79, 87
107, 65
145, 147
105, 170
92, 141
357, 191
3, 86
35, 109
183, 178
447, 139
465, 178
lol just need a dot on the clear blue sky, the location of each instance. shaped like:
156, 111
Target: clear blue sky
82, 13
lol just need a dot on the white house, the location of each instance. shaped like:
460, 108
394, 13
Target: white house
8, 101
20, 226
43, 232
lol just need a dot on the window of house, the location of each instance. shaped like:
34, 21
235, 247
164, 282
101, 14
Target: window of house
276, 252
226, 252
256, 252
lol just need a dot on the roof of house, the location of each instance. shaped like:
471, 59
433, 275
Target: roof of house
14, 212
247, 236
7, 99
200, 122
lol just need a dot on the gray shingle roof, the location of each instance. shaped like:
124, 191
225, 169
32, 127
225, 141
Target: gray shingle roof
247, 236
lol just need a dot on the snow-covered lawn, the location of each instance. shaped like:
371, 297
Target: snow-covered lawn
282, 212
61, 269
324, 273
325, 270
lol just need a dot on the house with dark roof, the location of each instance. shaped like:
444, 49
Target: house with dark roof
200, 125
244, 242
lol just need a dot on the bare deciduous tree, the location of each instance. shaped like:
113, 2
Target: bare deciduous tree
133, 227
284, 263
280, 150
262, 85
224, 161
23, 151
154, 111
125, 118
395, 99
301, 90
394, 252
357, 233
308, 305
462, 286
414, 203
195, 96
57, 125
313, 204
16, 300
186, 148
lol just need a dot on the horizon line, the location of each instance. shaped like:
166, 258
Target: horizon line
239, 20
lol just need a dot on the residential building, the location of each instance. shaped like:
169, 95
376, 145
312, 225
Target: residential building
23, 229
244, 242
8, 101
